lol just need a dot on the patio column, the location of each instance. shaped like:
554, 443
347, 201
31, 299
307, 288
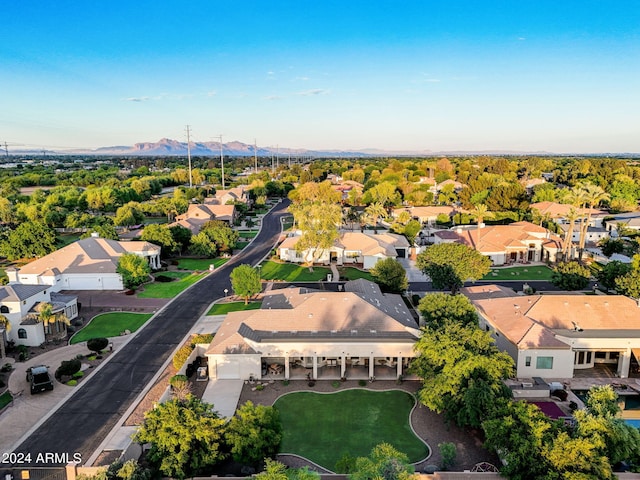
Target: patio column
624, 362
315, 367
343, 366
372, 366
286, 367
399, 371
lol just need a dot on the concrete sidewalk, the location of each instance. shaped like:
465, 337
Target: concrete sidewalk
28, 411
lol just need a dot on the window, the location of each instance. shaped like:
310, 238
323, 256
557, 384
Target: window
22, 333
527, 361
544, 363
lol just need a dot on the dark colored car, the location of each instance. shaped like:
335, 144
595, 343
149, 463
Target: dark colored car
39, 379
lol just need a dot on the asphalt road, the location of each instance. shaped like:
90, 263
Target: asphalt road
83, 422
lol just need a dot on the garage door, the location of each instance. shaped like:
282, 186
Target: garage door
228, 370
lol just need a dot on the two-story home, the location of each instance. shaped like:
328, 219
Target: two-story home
19, 304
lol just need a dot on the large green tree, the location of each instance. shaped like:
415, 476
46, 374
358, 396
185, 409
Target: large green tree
245, 281
570, 276
185, 436
462, 372
29, 240
160, 235
449, 265
220, 233
134, 269
441, 309
384, 463
390, 275
254, 433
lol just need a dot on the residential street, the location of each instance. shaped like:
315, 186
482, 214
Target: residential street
81, 423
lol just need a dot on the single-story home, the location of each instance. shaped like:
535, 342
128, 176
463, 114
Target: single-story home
553, 336
426, 215
349, 248
558, 212
301, 333
519, 242
19, 304
630, 221
87, 264
198, 214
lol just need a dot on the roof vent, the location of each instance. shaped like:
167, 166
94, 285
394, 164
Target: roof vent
354, 332
311, 315
373, 331
334, 331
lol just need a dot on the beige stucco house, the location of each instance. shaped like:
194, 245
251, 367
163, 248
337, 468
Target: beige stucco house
426, 215
520, 242
88, 264
350, 248
553, 336
299, 333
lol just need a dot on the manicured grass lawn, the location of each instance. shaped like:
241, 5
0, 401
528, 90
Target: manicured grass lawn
224, 308
200, 264
5, 399
535, 272
351, 273
244, 234
292, 273
170, 289
110, 325
241, 245
323, 427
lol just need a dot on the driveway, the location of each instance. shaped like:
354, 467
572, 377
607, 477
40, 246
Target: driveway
82, 423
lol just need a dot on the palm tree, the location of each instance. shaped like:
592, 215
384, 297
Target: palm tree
374, 212
572, 216
48, 317
5, 327
481, 212
593, 196
352, 217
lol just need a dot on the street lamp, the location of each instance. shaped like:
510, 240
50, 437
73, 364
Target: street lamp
226, 290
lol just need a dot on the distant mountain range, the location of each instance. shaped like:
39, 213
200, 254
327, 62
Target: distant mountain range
169, 147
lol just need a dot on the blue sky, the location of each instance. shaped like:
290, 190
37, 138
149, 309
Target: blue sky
403, 76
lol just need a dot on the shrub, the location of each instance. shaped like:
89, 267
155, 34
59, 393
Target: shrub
448, 454
362, 383
72, 383
97, 344
346, 464
181, 356
260, 387
285, 382
79, 374
91, 357
68, 367
178, 380
201, 338
164, 278
7, 367
312, 383
335, 384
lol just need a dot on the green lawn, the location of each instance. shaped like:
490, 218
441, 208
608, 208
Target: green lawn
66, 239
200, 264
5, 399
534, 272
245, 234
290, 272
224, 308
170, 289
351, 273
110, 325
323, 427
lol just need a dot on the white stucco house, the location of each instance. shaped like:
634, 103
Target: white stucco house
350, 248
299, 333
19, 303
553, 336
519, 242
88, 264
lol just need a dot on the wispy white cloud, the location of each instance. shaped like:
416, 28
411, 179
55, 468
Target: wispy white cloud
137, 99
212, 93
273, 97
314, 91
301, 79
522, 38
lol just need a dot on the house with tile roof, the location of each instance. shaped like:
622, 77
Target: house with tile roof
19, 303
553, 336
559, 211
87, 264
198, 214
350, 248
426, 215
519, 242
231, 195
300, 333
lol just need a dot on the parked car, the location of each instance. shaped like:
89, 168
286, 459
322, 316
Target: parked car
39, 379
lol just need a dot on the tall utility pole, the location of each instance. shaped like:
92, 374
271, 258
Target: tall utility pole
289, 159
6, 149
255, 155
189, 155
221, 161
277, 156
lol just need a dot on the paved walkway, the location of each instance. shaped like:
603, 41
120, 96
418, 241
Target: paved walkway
414, 274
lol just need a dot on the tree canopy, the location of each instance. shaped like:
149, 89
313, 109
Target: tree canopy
449, 265
254, 433
134, 269
245, 281
570, 276
442, 309
390, 275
